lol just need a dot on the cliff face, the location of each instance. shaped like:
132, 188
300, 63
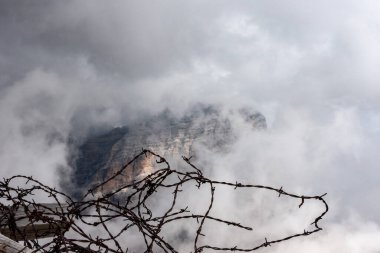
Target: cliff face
101, 156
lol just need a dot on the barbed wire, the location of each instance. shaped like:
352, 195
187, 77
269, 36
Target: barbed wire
65, 219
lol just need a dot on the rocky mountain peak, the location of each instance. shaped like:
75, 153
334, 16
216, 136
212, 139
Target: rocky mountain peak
166, 134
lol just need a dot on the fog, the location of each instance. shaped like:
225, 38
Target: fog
67, 68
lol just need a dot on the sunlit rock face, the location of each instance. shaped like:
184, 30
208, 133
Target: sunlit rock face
100, 156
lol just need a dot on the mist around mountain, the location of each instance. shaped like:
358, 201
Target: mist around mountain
205, 127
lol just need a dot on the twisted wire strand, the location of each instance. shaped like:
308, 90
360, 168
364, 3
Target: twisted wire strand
64, 215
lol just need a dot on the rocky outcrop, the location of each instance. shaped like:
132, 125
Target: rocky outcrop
172, 137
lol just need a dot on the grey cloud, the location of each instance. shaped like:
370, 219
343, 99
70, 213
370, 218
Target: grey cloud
130, 38
310, 68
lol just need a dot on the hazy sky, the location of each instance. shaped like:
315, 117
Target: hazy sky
310, 67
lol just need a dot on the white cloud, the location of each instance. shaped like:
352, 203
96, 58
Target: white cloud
311, 68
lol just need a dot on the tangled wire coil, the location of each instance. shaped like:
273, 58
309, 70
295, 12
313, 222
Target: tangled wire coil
68, 216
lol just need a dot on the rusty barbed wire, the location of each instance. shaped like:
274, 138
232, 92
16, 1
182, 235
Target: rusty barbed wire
64, 219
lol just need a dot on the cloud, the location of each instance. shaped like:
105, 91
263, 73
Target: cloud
310, 68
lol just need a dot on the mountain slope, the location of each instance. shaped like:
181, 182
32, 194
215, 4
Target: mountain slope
172, 137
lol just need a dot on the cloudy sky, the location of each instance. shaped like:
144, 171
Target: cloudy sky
309, 67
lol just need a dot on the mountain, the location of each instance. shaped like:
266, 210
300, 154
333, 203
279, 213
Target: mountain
99, 156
